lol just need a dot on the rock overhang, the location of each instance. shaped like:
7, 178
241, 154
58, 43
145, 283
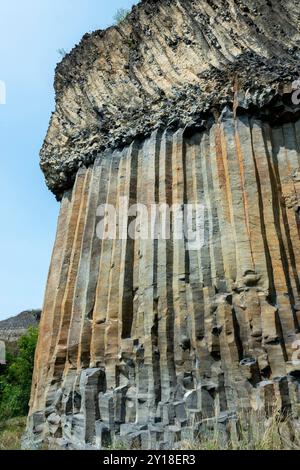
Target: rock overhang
169, 64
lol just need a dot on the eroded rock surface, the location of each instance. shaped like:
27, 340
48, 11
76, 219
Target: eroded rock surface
171, 63
145, 341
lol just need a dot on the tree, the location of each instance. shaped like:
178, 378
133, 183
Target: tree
16, 377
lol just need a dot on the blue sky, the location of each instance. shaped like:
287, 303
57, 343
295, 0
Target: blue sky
31, 32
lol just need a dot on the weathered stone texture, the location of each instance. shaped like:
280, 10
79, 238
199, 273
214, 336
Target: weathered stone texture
147, 341
13, 328
143, 339
170, 63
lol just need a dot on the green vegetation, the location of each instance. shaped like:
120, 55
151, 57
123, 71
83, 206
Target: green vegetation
11, 432
16, 376
252, 431
120, 15
62, 52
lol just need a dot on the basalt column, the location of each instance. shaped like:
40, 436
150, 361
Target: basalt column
146, 339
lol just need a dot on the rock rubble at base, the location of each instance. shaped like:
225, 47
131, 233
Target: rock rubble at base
148, 342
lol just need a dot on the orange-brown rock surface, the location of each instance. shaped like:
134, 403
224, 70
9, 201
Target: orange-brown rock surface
185, 102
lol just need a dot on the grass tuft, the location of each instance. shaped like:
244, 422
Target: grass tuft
11, 432
251, 431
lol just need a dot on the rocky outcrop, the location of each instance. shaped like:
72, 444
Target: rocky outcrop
13, 328
148, 340
170, 63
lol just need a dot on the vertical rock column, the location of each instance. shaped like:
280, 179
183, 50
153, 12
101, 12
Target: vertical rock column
143, 340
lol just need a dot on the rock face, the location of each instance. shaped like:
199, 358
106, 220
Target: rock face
146, 340
171, 63
13, 328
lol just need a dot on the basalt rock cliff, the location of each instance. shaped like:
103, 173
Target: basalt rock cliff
146, 341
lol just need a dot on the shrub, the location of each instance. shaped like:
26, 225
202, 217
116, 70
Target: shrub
16, 377
120, 15
62, 52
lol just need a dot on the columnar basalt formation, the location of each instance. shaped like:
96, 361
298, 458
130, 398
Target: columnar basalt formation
146, 340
